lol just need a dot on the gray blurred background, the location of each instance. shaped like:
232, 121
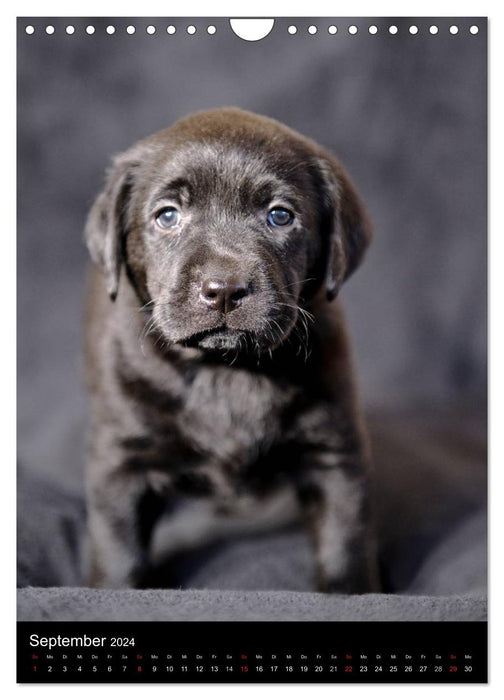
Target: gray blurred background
406, 115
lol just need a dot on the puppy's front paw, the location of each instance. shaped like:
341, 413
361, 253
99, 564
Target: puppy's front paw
357, 580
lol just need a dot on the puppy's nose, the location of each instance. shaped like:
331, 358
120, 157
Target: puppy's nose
223, 295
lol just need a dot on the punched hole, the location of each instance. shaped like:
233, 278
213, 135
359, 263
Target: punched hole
252, 29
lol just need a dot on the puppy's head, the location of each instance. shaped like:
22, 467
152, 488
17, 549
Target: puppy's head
227, 224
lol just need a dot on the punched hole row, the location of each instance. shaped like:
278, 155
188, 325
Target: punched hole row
373, 29
130, 29
291, 29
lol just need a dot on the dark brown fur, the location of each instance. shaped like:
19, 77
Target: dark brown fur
187, 397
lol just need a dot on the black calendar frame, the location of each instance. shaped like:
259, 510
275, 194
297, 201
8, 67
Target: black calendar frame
252, 652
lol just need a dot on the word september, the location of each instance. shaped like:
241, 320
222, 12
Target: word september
84, 641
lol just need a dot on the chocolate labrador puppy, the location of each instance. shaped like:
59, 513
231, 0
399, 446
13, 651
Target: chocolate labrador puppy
216, 362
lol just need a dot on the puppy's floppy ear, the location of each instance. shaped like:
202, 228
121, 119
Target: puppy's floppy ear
105, 225
349, 228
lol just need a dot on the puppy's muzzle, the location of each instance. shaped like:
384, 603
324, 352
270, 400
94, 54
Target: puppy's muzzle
223, 295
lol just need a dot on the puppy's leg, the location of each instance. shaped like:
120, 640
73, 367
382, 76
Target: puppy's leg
335, 506
117, 543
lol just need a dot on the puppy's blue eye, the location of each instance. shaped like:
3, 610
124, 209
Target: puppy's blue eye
168, 217
280, 217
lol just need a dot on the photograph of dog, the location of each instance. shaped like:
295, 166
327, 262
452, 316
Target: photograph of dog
216, 354
252, 303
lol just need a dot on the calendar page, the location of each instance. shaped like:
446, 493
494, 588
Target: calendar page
252, 351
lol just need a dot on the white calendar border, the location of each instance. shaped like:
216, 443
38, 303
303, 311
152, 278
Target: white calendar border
261, 8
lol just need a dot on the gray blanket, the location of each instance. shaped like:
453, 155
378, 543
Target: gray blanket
430, 488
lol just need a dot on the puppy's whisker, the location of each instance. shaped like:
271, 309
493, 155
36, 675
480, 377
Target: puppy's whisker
149, 328
144, 307
303, 312
238, 350
300, 330
293, 284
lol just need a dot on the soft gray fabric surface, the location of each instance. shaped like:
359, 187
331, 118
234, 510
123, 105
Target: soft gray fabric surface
87, 604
